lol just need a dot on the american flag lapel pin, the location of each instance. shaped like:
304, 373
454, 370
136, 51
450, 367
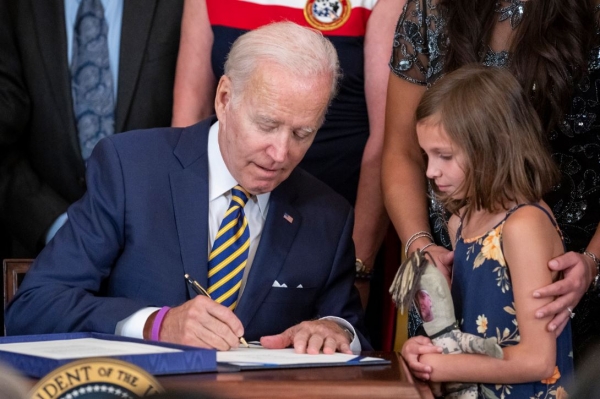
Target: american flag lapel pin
288, 218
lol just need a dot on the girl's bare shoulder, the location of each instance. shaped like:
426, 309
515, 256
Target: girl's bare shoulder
530, 226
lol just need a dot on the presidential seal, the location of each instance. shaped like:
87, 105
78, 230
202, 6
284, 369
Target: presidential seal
327, 14
96, 378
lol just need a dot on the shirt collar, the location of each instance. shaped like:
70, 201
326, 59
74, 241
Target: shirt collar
219, 178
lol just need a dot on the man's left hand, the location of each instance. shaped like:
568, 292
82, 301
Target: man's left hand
311, 337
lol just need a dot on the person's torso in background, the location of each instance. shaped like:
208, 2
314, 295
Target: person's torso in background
336, 154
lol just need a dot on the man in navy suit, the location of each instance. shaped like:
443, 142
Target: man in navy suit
156, 199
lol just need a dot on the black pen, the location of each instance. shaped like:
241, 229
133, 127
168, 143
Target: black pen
201, 291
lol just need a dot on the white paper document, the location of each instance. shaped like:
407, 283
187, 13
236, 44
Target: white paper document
259, 356
83, 347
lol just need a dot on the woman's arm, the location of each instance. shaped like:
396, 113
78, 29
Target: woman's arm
371, 219
195, 83
403, 166
403, 169
529, 241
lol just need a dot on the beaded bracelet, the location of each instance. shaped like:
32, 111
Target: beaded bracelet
158, 322
362, 271
364, 275
596, 280
413, 238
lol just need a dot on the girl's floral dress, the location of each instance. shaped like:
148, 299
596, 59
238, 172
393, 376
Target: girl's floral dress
484, 302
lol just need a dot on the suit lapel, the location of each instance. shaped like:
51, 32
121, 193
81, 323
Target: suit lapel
189, 188
52, 41
275, 243
137, 21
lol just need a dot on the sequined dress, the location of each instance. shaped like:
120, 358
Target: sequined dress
420, 45
484, 303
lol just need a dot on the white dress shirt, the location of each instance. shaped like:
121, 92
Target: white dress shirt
220, 183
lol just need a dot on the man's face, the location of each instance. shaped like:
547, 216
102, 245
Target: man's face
264, 134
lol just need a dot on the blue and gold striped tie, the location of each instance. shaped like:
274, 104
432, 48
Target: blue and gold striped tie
229, 253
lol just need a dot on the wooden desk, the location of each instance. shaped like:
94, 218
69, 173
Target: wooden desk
384, 381
389, 381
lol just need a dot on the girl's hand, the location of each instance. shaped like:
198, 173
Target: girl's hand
568, 291
412, 349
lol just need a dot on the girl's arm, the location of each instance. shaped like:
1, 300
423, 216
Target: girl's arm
579, 271
529, 241
195, 83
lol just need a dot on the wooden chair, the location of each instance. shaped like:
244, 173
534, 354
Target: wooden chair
13, 272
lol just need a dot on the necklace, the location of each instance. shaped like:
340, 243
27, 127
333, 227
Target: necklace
515, 11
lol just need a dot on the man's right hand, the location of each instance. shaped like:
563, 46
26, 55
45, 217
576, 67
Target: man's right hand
204, 323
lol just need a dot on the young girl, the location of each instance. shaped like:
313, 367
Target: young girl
489, 162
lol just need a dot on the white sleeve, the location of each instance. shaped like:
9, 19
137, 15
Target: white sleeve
355, 346
133, 326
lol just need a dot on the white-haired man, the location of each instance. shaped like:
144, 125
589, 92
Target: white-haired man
220, 201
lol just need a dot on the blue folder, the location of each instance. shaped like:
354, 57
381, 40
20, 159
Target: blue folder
189, 360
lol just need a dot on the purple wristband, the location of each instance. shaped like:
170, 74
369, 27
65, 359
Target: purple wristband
158, 322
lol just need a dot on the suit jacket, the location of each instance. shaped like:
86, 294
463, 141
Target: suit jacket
44, 172
143, 224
